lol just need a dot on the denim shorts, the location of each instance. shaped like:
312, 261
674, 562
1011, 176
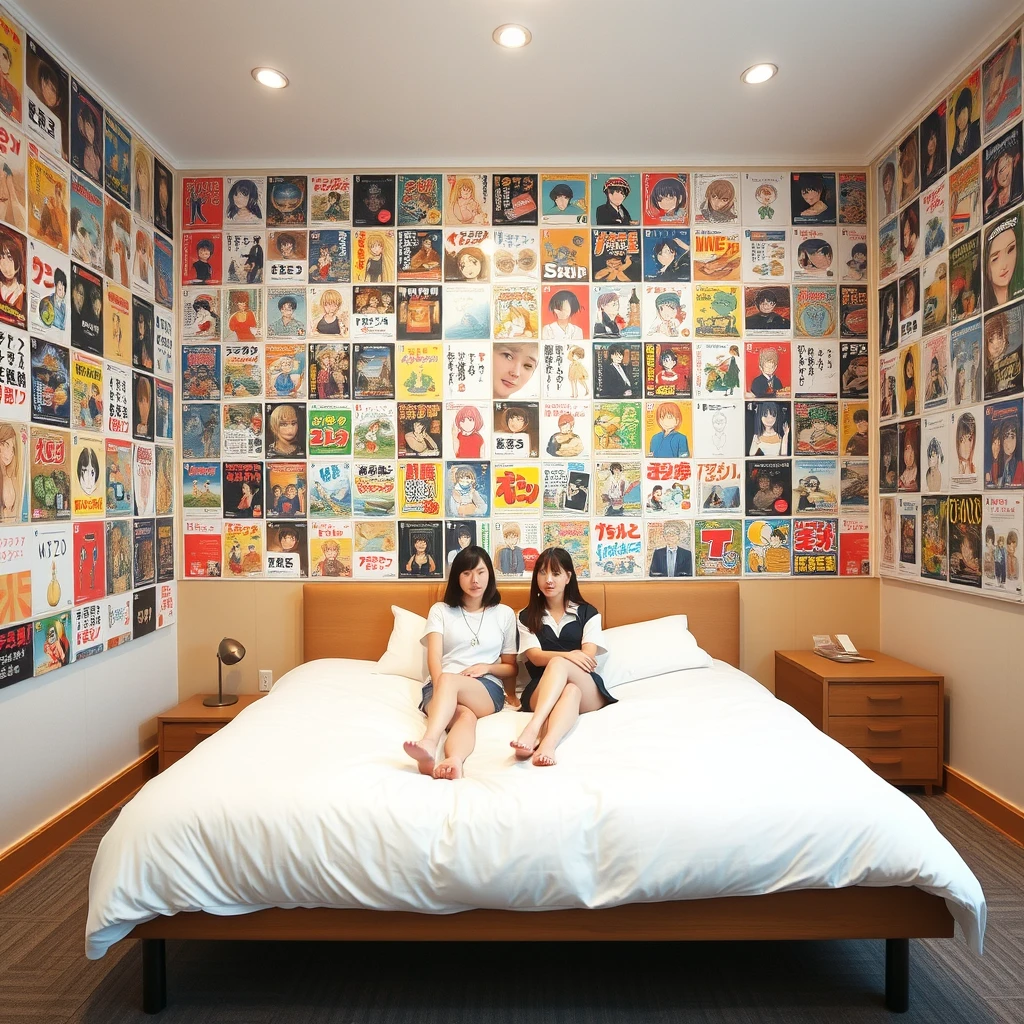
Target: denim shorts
491, 683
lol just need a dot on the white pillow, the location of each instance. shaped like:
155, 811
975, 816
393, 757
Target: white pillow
405, 655
650, 648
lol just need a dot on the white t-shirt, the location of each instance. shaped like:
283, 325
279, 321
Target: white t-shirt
495, 629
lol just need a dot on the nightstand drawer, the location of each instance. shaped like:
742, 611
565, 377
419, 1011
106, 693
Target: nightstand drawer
886, 731
883, 699
183, 736
895, 763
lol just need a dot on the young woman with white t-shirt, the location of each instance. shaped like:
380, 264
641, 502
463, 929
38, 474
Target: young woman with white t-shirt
471, 641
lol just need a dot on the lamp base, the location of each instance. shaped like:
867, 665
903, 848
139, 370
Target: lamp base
220, 702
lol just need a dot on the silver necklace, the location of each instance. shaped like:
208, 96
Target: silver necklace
475, 642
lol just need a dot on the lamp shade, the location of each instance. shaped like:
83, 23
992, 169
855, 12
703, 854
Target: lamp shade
230, 652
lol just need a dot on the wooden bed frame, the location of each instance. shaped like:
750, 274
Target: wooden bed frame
354, 620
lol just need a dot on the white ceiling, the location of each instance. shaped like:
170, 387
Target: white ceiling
395, 83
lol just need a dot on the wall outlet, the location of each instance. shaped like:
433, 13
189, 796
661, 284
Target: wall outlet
266, 679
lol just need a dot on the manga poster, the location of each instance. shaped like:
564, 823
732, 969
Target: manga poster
855, 369
466, 422
767, 369
142, 180
373, 200
816, 547
285, 430
716, 197
142, 407
143, 273
418, 369
244, 256
965, 515
247, 322
516, 254
467, 199
373, 311
117, 242
935, 217
815, 310
666, 198
142, 334
618, 488
617, 549
467, 370
13, 299
718, 547
164, 550
909, 452
853, 197
717, 254
566, 487
813, 197
815, 487
934, 532
666, 255
373, 366
50, 636
200, 430
329, 371
515, 547
888, 248
935, 450
47, 199
565, 254
965, 211
86, 218
46, 101
419, 199
769, 487
854, 437
374, 554
887, 370
910, 306
242, 429
516, 429
419, 253
13, 152
201, 258
163, 271
768, 429
565, 199
467, 489
909, 180
51, 384
617, 312
419, 319
766, 198
853, 254
933, 146
963, 120
719, 428
144, 552
202, 557
164, 598
286, 312
466, 313
888, 319
907, 379
854, 546
286, 490
286, 200
720, 486
119, 477
467, 255
610, 199
574, 536
330, 489
330, 200
118, 620
668, 369
200, 372
119, 545
87, 495
330, 550
200, 487
12, 38
202, 201
243, 369
118, 399
618, 369
513, 198
243, 549
1002, 173
1001, 86
1003, 467
853, 308
244, 495
373, 256
287, 257
767, 547
966, 368
1004, 333
668, 427
814, 253
716, 309
668, 488
1002, 521
667, 311
165, 473
421, 550
968, 457
246, 201
163, 204
766, 254
854, 484
16, 654
965, 279
374, 489
373, 430
889, 544
565, 429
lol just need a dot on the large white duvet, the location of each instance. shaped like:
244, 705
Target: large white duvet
696, 784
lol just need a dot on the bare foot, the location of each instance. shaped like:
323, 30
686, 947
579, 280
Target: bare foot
449, 768
422, 755
543, 760
524, 746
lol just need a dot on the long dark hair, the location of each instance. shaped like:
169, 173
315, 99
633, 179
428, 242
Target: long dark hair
538, 605
469, 558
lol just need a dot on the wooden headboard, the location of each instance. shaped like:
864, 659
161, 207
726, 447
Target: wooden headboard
354, 620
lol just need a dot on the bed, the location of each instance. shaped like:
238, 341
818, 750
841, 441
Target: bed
304, 820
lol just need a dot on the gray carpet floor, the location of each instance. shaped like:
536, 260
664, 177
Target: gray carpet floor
45, 978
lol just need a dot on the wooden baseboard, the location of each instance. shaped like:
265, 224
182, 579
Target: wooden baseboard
997, 812
39, 846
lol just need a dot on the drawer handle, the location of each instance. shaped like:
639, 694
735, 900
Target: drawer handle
885, 760
885, 729
208, 731
886, 697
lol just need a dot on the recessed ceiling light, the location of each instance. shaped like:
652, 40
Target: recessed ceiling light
512, 36
270, 78
758, 73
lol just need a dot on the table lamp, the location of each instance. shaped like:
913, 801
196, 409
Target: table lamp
229, 652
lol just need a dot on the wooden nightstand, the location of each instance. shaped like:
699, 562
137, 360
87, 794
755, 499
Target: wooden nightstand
887, 712
188, 724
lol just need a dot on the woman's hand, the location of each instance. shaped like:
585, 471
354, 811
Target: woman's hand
477, 670
581, 660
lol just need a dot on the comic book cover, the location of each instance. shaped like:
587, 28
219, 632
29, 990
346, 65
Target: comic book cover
243, 370
517, 429
815, 310
117, 323
466, 313
516, 315
720, 486
616, 549
716, 311
618, 369
667, 311
935, 217
565, 318
1003, 283
565, 254
813, 197
200, 430
118, 400
285, 430
767, 369
245, 495
118, 242
466, 422
718, 370
330, 550
963, 119
717, 254
965, 202
373, 200
888, 458
286, 312
1001, 86
935, 451
51, 384
16, 474
374, 551
165, 473
909, 452
242, 429
911, 246
564, 199
909, 162
888, 319
814, 253
330, 200
373, 311
144, 552
767, 547
12, 38
14, 152
201, 258
87, 493
516, 543
934, 523
164, 416
966, 369
854, 546
718, 429
816, 369
769, 487
611, 204
853, 254
419, 199
668, 427
767, 312
854, 484
467, 199
1002, 523
330, 488
374, 489
246, 201
142, 181
287, 257
13, 301
967, 458
668, 488
965, 545
87, 626
330, 429
935, 366
766, 254
202, 557
853, 364
815, 487
329, 371
617, 312
373, 256
285, 369
286, 200
467, 255
1004, 332
666, 198
200, 372
888, 249
566, 488
573, 535
165, 598
51, 636
163, 271
855, 429
1003, 467
163, 197
119, 546
853, 197
467, 370
565, 429
244, 257
467, 489
285, 490
200, 487
718, 547
419, 319
716, 197
47, 199
243, 549
117, 615
766, 198
202, 201
617, 426
516, 254
668, 369
46, 100
666, 255
420, 489
373, 430
459, 534
330, 256
51, 561
965, 279
419, 254
933, 147
16, 656
889, 543
768, 428
618, 488
420, 550
815, 547
15, 375
374, 370
513, 198
934, 276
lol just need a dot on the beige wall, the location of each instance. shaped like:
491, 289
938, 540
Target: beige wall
267, 618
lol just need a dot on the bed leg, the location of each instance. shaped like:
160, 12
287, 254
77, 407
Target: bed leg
154, 975
897, 975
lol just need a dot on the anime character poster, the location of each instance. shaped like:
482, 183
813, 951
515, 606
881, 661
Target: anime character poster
142, 181
965, 204
666, 198
717, 254
934, 527
201, 258
910, 306
144, 552
420, 551
163, 271
46, 99
855, 370
1002, 521
117, 243
119, 544
285, 369
374, 489
243, 549
767, 547
853, 254
419, 254
855, 437
373, 370
142, 334
965, 546
618, 487
963, 123
374, 551
243, 371
766, 254
1002, 174
330, 374
165, 473
164, 550
245, 201
286, 200
566, 488
888, 398
515, 545
815, 310
89, 560
419, 319
766, 200
888, 201
815, 487
15, 472
720, 486
373, 311
768, 369
420, 430
965, 279
935, 453
667, 311
285, 430
718, 370
933, 146
200, 372
666, 254
618, 369
968, 455
668, 369
854, 484
574, 536
1001, 86
51, 636
516, 254
200, 430
330, 550
909, 452
516, 430
888, 318
287, 257
716, 197
768, 429
853, 197
565, 254
142, 407
718, 547
467, 255
242, 429
565, 429
716, 311
1004, 333
16, 654
202, 203
13, 278
907, 379
466, 312
1003, 467
330, 488
769, 487
202, 551
285, 490
468, 424
767, 312
373, 200
48, 216
467, 199
373, 256
669, 488
814, 253
163, 192
890, 540
854, 546
816, 547
373, 430
513, 198
888, 249
615, 199
87, 457
330, 200
13, 153
813, 197
244, 256
934, 207
118, 400
617, 549
48, 274
718, 429
564, 199
908, 182
12, 38
143, 273
247, 319
617, 312
286, 312
51, 384
467, 489
419, 199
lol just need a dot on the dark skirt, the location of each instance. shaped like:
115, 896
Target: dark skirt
531, 686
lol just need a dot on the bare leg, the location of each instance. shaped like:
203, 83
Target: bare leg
459, 745
449, 691
559, 671
564, 715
